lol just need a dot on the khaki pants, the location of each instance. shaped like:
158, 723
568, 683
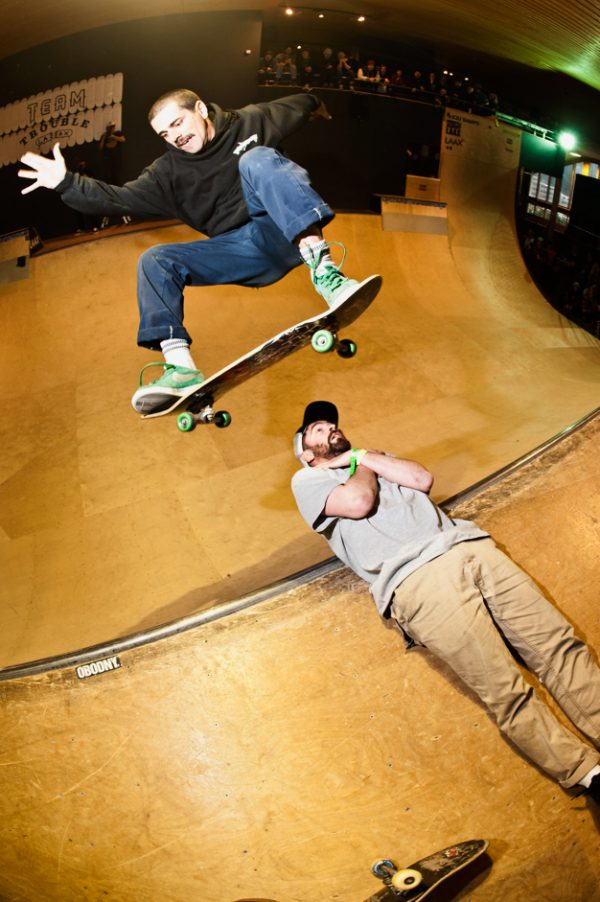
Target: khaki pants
458, 604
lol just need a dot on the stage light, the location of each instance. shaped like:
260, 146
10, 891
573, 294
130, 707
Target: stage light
320, 15
361, 19
289, 11
566, 140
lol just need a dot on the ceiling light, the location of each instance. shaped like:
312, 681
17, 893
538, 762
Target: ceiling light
289, 11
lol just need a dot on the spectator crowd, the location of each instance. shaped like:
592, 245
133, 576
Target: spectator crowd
328, 69
567, 271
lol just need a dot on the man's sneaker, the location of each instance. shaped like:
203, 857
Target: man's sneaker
333, 285
327, 277
175, 383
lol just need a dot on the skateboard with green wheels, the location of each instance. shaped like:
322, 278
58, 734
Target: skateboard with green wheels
416, 881
320, 331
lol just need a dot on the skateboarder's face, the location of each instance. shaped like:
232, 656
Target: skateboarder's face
189, 130
325, 440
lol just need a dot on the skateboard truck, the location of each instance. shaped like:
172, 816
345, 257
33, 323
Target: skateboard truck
189, 419
403, 880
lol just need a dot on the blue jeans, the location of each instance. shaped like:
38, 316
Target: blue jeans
281, 204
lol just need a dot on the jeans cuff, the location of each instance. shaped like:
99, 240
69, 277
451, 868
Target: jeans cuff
319, 216
151, 338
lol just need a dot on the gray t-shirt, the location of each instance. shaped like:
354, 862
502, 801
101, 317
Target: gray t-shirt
406, 530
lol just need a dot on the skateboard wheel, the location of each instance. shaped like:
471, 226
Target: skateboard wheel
222, 419
322, 341
406, 879
186, 422
346, 348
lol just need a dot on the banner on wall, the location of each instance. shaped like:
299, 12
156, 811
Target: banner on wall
71, 114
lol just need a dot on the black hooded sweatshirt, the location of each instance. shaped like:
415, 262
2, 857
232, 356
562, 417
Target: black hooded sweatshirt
202, 189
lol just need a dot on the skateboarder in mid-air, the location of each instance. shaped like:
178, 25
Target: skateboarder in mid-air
222, 175
452, 590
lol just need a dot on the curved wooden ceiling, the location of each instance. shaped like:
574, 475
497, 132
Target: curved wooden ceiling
546, 34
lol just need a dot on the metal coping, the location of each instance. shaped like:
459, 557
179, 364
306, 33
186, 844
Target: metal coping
174, 628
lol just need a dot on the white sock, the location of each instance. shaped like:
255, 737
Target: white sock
177, 352
586, 781
315, 251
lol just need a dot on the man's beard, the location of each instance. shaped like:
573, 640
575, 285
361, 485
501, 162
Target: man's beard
337, 444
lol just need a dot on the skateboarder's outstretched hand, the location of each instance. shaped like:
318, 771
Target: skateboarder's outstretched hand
48, 173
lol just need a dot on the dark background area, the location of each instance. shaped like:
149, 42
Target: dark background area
361, 153
585, 208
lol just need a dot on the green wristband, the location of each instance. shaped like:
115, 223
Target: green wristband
353, 461
356, 458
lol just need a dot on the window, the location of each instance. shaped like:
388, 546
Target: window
542, 187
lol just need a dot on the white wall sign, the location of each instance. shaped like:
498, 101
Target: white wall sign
71, 114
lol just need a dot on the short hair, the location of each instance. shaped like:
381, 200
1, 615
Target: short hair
183, 97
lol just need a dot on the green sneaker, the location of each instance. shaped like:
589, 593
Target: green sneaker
175, 383
327, 277
333, 285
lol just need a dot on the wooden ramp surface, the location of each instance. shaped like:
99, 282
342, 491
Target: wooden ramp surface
109, 525
278, 752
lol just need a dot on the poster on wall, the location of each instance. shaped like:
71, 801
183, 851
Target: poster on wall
480, 138
72, 114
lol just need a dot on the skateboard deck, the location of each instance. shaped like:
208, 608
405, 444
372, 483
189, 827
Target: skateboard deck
197, 406
415, 882
419, 879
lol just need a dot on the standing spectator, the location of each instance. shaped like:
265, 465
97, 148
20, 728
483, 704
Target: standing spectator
417, 82
327, 71
346, 69
441, 98
481, 100
457, 94
110, 145
286, 69
368, 75
469, 99
307, 72
432, 83
383, 85
266, 69
398, 80
493, 103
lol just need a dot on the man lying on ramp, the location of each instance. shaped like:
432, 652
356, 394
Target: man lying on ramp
452, 590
